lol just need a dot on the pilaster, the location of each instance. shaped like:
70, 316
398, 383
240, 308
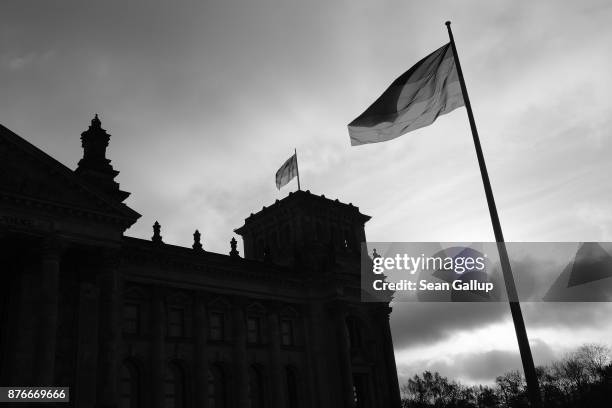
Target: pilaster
158, 330
201, 353
48, 317
276, 370
240, 354
344, 354
109, 329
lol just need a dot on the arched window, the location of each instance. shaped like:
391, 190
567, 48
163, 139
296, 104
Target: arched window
292, 387
131, 318
289, 327
218, 328
255, 323
129, 386
287, 330
254, 329
256, 388
216, 388
174, 387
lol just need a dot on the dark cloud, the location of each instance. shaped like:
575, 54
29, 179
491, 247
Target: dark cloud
425, 323
418, 324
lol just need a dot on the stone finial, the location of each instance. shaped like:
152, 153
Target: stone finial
96, 123
157, 238
233, 244
197, 245
94, 166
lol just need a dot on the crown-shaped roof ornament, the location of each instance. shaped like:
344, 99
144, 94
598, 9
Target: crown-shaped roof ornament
94, 166
96, 123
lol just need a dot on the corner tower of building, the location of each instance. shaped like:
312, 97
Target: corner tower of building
303, 223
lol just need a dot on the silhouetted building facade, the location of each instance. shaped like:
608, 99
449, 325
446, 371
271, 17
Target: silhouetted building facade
127, 322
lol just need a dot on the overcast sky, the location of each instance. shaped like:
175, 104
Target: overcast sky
205, 100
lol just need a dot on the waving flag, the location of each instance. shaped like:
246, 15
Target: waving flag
287, 171
414, 100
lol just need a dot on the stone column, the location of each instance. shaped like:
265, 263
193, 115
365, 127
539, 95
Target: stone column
158, 361
23, 337
109, 329
240, 355
201, 353
49, 284
344, 355
87, 347
277, 392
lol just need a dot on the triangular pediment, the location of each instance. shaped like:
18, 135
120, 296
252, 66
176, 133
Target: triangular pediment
31, 177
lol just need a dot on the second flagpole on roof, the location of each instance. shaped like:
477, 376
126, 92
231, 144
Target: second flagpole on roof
297, 169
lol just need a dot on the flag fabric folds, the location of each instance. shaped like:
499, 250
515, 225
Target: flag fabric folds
287, 171
427, 90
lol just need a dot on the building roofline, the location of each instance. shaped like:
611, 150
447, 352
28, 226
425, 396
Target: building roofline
295, 196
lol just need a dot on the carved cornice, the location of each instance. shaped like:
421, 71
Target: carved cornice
65, 209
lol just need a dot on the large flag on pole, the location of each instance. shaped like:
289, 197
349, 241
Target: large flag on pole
435, 86
287, 171
414, 100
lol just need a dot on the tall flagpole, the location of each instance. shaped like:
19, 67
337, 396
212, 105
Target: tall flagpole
515, 307
297, 168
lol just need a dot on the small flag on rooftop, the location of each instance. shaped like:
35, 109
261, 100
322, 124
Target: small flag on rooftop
414, 100
288, 171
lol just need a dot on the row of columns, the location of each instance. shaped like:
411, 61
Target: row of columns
103, 301
97, 331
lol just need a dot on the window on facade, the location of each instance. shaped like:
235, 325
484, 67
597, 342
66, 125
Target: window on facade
216, 326
131, 318
292, 388
128, 387
253, 329
354, 332
176, 322
287, 335
216, 388
174, 387
286, 241
256, 391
